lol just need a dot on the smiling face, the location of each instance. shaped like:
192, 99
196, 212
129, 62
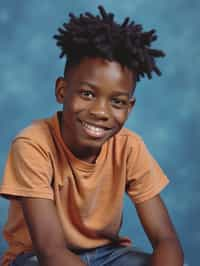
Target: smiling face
96, 97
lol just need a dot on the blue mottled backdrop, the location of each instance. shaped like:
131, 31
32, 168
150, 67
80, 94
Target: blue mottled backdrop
167, 109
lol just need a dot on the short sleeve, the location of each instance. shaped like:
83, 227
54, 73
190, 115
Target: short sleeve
28, 171
145, 178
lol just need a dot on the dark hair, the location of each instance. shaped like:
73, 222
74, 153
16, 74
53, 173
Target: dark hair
100, 36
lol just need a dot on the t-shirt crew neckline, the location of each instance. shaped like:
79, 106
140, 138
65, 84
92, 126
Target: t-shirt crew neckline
80, 164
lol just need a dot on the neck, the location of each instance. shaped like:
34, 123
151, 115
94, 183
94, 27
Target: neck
86, 154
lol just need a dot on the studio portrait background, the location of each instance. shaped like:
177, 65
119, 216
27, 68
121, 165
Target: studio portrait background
167, 109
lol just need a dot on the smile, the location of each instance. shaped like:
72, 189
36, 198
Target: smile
94, 131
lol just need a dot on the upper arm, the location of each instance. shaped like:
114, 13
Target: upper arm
155, 220
43, 223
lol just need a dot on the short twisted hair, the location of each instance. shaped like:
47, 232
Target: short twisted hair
100, 36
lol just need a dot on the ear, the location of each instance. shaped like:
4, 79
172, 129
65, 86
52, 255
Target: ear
60, 89
132, 101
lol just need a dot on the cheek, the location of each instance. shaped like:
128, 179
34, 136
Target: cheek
78, 106
120, 116
73, 105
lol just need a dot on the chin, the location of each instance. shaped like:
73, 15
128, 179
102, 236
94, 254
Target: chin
95, 144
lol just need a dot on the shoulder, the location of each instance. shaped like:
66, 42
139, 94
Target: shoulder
125, 143
128, 138
125, 132
37, 127
36, 137
39, 132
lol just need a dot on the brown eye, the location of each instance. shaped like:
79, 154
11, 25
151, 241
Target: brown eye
87, 94
119, 103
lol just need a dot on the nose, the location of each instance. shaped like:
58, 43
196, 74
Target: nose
100, 110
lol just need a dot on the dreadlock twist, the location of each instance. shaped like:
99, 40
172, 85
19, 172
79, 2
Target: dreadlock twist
100, 36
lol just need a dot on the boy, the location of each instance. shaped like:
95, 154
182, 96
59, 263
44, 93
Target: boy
66, 176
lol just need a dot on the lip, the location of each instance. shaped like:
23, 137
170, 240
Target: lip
96, 125
94, 130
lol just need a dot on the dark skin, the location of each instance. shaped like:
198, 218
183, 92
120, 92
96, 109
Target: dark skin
100, 96
97, 98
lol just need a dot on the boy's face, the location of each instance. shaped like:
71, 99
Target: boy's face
97, 98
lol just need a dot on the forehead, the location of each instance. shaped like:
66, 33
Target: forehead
103, 73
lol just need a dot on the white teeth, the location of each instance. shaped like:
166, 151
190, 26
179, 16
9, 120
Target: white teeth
93, 128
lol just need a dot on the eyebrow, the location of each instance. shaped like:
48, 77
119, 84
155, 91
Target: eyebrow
97, 87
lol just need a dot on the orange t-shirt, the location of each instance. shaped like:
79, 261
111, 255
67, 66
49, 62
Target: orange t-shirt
40, 165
